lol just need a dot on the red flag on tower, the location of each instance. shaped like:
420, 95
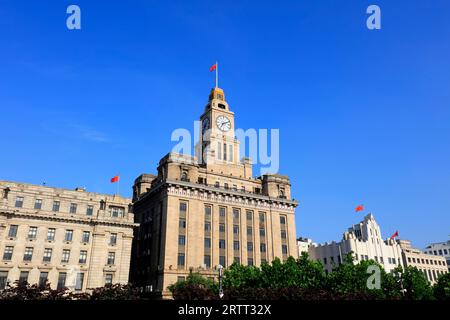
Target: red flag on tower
359, 208
394, 235
115, 179
213, 67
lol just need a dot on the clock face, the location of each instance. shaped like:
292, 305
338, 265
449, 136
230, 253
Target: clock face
205, 125
223, 123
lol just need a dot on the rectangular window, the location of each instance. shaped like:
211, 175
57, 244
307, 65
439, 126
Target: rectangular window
249, 231
207, 261
262, 233
182, 224
225, 185
68, 236
236, 229
113, 239
7, 254
13, 231
61, 280
108, 279
262, 247
250, 261
222, 261
117, 212
3, 279
230, 153
51, 234
221, 227
86, 236
79, 282
23, 278
183, 207
181, 240
65, 256
224, 152
236, 245
219, 149
47, 257
282, 220
90, 210
207, 213
19, 202
32, 233
28, 254
324, 261
207, 226
83, 257
221, 244
111, 258
236, 214
284, 249
222, 212
249, 215
249, 246
207, 243
181, 259
43, 276
283, 234
261, 217
56, 205
38, 204
73, 208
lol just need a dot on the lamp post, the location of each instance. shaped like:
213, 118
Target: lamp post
220, 267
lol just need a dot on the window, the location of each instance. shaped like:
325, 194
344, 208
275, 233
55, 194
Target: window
32, 232
207, 226
38, 204
73, 208
207, 260
250, 261
113, 239
79, 282
222, 212
263, 247
236, 245
283, 234
13, 231
111, 258
184, 176
207, 213
181, 240
249, 231
19, 202
222, 227
7, 254
182, 224
261, 217
85, 237
43, 276
207, 243
249, 246
236, 229
219, 149
51, 234
224, 152
324, 261
181, 279
236, 214
65, 256
183, 207
28, 254
61, 281
90, 210
221, 244
117, 212
262, 233
282, 220
237, 260
3, 279
217, 184
230, 153
83, 257
56, 205
47, 257
222, 261
249, 215
181, 259
23, 278
68, 236
284, 249
108, 278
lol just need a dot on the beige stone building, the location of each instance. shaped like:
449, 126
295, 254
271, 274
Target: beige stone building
432, 266
199, 212
71, 238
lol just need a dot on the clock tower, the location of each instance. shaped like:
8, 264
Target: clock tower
218, 147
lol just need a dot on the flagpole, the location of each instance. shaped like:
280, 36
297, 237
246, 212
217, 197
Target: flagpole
217, 74
118, 185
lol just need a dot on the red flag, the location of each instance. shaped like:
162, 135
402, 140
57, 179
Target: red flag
359, 208
394, 235
115, 179
214, 66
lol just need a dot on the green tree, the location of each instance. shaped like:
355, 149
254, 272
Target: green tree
195, 287
413, 282
442, 287
238, 276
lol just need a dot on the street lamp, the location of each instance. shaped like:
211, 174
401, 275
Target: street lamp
220, 267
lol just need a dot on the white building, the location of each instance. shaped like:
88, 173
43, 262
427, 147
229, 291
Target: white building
303, 245
365, 241
440, 249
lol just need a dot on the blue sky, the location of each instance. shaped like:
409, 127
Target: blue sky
364, 116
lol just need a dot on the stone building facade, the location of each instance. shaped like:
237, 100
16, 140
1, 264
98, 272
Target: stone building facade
199, 212
71, 238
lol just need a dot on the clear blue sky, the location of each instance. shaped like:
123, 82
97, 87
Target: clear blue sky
364, 116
